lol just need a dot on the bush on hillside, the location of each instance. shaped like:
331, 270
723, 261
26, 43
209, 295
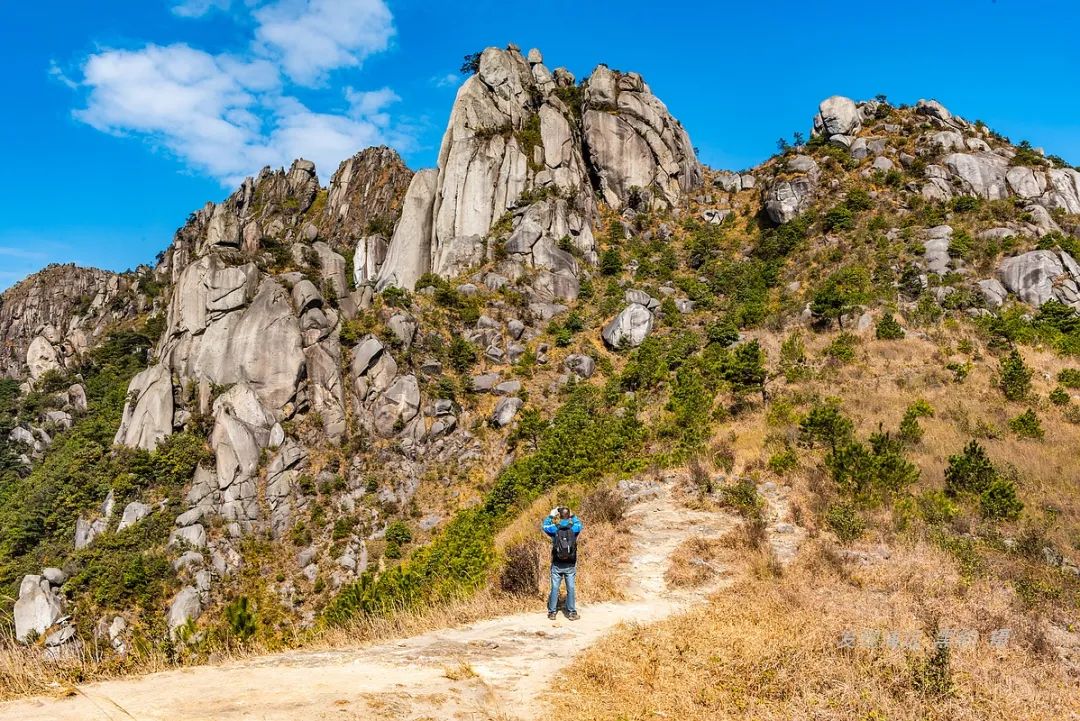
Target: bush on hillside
888, 328
1014, 377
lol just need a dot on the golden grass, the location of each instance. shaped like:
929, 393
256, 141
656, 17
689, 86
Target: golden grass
694, 563
769, 649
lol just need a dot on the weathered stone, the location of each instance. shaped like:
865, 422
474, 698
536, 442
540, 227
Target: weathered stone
37, 607
580, 365
505, 411
837, 115
133, 513
629, 328
398, 405
186, 606
194, 536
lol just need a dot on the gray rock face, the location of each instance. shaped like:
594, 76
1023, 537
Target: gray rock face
511, 134
37, 607
837, 115
409, 254
149, 418
505, 411
629, 328
787, 198
282, 498
398, 405
52, 304
41, 357
368, 259
185, 606
194, 536
993, 292
367, 188
937, 249
1042, 275
133, 513
634, 142
981, 174
580, 365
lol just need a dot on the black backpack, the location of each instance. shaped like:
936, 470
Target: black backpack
565, 548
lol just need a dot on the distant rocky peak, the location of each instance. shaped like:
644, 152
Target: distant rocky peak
529, 150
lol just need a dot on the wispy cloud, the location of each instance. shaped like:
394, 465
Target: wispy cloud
446, 81
198, 8
22, 253
227, 115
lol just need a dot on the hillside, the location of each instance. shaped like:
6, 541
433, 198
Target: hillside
326, 406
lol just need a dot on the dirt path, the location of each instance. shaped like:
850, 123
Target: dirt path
493, 669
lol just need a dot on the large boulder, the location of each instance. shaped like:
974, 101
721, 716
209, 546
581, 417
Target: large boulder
629, 328
186, 606
41, 357
1042, 275
837, 115
368, 258
37, 608
398, 405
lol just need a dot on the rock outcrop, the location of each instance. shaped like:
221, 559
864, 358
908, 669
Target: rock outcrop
38, 607
365, 196
1042, 275
49, 319
521, 157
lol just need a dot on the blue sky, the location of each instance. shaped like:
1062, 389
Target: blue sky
123, 117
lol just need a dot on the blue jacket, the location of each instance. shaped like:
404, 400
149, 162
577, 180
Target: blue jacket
551, 527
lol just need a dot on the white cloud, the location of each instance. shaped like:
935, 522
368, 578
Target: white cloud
57, 73
446, 81
198, 8
311, 37
229, 115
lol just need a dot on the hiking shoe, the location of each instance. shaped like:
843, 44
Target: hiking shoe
573, 616
552, 616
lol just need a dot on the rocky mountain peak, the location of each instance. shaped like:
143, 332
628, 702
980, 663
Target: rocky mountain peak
526, 151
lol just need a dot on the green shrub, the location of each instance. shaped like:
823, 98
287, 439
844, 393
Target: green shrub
910, 430
462, 354
839, 218
842, 348
611, 262
936, 507
970, 471
826, 424
1027, 425
743, 498
999, 501
783, 461
933, 676
841, 293
240, 618
1069, 377
398, 532
867, 475
1014, 377
888, 328
1059, 396
965, 203
843, 520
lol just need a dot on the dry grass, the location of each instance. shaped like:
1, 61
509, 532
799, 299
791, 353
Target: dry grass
769, 649
694, 563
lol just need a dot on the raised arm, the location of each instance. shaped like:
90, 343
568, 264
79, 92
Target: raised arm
576, 525
549, 527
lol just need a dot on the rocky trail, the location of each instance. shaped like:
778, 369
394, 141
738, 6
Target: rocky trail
493, 669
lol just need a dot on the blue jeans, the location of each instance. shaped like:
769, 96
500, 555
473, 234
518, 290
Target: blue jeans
559, 572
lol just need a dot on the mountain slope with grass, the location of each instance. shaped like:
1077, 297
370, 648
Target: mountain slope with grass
331, 406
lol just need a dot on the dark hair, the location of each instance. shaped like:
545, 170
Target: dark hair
564, 512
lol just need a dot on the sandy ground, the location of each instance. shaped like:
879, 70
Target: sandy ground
494, 669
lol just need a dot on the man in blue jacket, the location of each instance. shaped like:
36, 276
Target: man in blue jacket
563, 527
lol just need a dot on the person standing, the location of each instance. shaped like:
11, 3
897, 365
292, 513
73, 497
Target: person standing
563, 527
